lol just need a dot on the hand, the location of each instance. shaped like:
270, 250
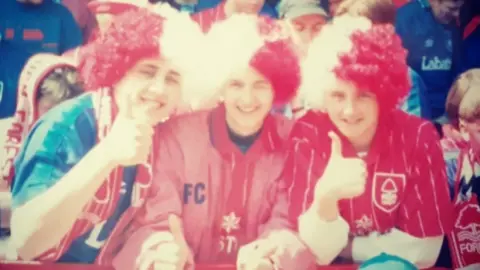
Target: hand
451, 132
129, 141
168, 254
257, 256
343, 178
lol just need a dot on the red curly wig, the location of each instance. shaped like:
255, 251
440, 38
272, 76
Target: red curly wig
132, 36
277, 60
261, 43
370, 56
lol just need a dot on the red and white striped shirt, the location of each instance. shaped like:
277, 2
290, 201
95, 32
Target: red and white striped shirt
406, 184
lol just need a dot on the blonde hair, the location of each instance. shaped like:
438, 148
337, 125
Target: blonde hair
463, 100
61, 84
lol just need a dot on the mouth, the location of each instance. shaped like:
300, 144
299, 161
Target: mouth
352, 121
156, 104
247, 110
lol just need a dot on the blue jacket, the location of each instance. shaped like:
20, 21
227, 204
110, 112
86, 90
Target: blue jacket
416, 102
26, 30
205, 4
56, 143
433, 51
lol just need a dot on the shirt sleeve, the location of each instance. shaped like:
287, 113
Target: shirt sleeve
305, 165
423, 252
292, 253
164, 200
46, 156
426, 210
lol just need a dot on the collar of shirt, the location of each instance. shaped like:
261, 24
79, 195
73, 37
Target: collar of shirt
268, 140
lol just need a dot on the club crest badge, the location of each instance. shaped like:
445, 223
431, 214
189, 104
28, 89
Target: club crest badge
387, 190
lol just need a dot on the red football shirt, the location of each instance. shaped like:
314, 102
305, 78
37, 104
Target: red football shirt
406, 183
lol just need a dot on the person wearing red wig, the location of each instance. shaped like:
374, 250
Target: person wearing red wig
84, 171
363, 177
220, 168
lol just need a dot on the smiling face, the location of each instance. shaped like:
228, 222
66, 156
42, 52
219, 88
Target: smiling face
151, 82
248, 98
353, 112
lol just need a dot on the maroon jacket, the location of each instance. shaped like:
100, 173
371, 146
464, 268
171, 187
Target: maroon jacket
225, 198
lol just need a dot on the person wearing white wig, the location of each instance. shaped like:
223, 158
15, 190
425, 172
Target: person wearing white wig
83, 176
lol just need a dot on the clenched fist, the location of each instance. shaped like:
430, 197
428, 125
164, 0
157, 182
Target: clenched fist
256, 256
343, 178
169, 254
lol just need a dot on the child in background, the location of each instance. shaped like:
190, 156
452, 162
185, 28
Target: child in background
463, 169
45, 81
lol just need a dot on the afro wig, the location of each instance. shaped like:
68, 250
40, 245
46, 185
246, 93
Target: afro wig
354, 50
138, 34
259, 42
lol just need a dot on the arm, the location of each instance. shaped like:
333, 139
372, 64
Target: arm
48, 197
425, 214
320, 227
292, 252
162, 208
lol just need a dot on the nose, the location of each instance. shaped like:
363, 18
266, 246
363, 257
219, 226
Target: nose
156, 87
350, 108
247, 96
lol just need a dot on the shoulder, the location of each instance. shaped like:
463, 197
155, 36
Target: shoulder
407, 9
283, 125
190, 124
310, 126
412, 129
72, 121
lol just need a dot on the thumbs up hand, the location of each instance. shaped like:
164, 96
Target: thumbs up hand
129, 141
343, 178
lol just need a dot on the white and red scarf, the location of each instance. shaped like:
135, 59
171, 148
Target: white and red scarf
26, 114
103, 204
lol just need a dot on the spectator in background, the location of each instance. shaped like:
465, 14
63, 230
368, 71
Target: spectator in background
29, 27
466, 82
384, 12
429, 32
82, 14
305, 20
463, 106
45, 81
333, 5
206, 18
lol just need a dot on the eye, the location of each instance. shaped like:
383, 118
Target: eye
171, 80
366, 95
299, 27
338, 95
236, 84
147, 73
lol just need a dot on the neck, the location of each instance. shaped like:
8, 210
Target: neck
362, 143
236, 129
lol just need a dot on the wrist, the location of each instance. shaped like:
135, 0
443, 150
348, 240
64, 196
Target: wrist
103, 154
326, 207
